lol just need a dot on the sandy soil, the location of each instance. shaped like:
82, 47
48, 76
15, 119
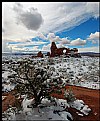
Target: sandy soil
89, 96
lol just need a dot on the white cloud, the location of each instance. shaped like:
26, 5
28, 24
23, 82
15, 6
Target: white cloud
30, 18
29, 43
46, 47
24, 46
53, 38
65, 41
42, 36
69, 15
94, 37
60, 46
78, 41
16, 48
5, 47
89, 49
36, 48
13, 30
93, 9
18, 18
56, 39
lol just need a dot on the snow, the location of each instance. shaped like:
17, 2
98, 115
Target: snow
49, 112
6, 74
77, 104
79, 114
74, 71
53, 116
80, 105
65, 114
45, 101
3, 97
8, 87
25, 105
45, 113
85, 110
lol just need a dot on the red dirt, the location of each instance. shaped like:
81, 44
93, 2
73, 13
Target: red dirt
9, 100
89, 96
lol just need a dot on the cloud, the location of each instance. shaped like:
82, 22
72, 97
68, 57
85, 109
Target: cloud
18, 7
23, 21
94, 37
24, 49
60, 46
14, 31
24, 46
56, 39
5, 47
31, 19
18, 49
46, 47
3, 30
21, 44
42, 36
53, 38
89, 49
66, 16
78, 41
93, 9
36, 48
65, 41
69, 15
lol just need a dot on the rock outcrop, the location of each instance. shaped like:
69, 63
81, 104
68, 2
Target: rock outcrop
40, 54
63, 51
48, 53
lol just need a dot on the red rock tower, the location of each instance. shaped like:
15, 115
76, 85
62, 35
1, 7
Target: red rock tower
53, 49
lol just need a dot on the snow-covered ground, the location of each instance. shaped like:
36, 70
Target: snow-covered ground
74, 71
82, 72
49, 111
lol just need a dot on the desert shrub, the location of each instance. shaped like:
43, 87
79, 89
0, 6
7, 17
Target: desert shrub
35, 82
69, 95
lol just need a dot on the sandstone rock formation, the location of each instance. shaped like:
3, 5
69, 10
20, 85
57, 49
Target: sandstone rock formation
40, 54
63, 51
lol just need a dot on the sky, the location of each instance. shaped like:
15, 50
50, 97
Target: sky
33, 26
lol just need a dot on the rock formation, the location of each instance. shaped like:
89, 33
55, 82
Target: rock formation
48, 53
40, 54
63, 51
